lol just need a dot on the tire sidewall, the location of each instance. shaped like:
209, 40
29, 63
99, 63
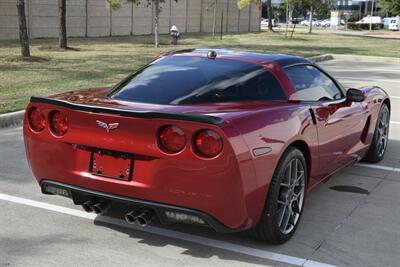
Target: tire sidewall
270, 213
372, 155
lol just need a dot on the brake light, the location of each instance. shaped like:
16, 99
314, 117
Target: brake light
58, 123
172, 139
37, 121
208, 143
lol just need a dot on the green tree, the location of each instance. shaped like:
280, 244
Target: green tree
313, 7
243, 3
117, 4
390, 6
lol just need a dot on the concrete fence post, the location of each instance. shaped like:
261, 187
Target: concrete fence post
238, 23
86, 18
227, 16
249, 18
170, 15
28, 17
186, 16
152, 17
110, 22
201, 15
131, 18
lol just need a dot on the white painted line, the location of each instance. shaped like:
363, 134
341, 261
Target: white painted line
394, 96
394, 122
379, 167
366, 79
259, 253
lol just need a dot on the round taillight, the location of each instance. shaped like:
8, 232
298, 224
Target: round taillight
172, 139
37, 121
58, 123
208, 143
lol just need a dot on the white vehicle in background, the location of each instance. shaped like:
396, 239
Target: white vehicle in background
394, 24
264, 23
325, 23
305, 22
369, 19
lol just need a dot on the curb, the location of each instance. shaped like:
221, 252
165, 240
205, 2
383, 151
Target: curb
321, 58
12, 119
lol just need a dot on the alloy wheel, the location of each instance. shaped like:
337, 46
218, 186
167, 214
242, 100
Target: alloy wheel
383, 132
291, 196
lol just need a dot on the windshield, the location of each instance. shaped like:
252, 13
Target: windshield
194, 80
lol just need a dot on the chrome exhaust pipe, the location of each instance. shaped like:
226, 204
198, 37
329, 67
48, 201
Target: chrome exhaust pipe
88, 206
130, 217
145, 217
101, 207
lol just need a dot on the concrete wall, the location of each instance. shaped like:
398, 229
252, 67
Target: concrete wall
91, 18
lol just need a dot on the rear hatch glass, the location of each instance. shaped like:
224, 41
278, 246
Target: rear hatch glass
196, 80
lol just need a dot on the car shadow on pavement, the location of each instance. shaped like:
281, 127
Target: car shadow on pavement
329, 209
188, 248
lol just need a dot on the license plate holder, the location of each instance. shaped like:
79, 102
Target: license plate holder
111, 164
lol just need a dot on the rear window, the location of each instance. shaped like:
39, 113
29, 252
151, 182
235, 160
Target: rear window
194, 80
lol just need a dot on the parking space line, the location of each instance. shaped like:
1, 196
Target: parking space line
379, 167
394, 122
365, 79
259, 253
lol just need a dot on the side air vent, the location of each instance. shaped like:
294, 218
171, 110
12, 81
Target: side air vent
314, 119
364, 133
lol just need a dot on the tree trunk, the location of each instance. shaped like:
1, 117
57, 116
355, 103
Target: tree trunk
270, 15
23, 31
62, 39
156, 19
311, 19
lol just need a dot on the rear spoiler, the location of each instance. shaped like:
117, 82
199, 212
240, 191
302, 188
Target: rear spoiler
129, 113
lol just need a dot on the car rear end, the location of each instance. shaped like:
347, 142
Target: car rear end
175, 165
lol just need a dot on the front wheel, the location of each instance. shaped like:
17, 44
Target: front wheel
285, 200
381, 136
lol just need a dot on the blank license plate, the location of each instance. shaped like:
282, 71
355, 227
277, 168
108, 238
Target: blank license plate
112, 165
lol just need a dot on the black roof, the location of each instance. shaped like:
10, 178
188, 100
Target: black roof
282, 59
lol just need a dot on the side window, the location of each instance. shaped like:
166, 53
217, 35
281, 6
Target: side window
262, 87
312, 85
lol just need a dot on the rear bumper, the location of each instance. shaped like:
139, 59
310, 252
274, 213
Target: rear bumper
79, 195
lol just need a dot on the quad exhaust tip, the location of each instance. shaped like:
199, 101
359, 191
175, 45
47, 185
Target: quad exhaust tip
88, 206
96, 207
141, 217
131, 216
101, 207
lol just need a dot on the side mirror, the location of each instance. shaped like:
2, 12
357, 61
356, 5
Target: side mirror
355, 95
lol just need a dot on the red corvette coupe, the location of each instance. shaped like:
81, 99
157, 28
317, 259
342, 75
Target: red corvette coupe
230, 140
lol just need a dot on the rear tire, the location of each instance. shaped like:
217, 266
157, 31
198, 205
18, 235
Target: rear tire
285, 199
380, 139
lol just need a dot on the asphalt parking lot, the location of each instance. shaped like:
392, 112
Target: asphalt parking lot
357, 225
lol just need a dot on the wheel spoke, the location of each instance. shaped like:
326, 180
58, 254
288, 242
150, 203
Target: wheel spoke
282, 215
299, 178
286, 220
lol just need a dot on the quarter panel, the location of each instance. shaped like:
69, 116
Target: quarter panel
274, 130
